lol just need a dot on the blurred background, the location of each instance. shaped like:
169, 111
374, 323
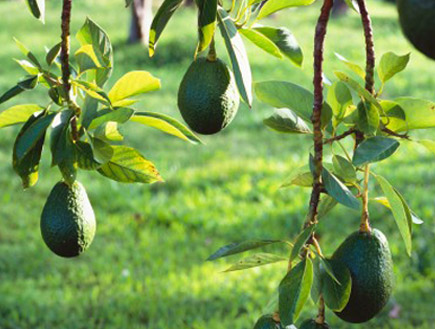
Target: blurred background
146, 267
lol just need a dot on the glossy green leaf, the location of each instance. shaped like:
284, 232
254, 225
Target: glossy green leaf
294, 291
340, 99
419, 113
93, 90
85, 156
17, 114
26, 52
391, 64
384, 201
37, 8
32, 134
282, 94
27, 167
103, 151
336, 294
286, 121
239, 57
133, 84
239, 247
300, 177
273, 6
267, 322
339, 191
286, 42
128, 166
343, 168
120, 115
374, 149
354, 67
368, 118
326, 204
316, 287
29, 67
53, 53
60, 139
92, 34
166, 124
162, 17
26, 84
109, 131
207, 17
399, 212
256, 260
301, 240
261, 41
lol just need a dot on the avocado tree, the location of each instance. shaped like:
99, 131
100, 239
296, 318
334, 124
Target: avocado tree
357, 280
83, 119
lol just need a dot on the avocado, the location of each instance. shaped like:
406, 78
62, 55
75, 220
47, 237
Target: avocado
312, 324
208, 98
267, 322
417, 19
68, 220
368, 258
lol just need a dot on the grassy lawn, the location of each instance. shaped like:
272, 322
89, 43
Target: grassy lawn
146, 266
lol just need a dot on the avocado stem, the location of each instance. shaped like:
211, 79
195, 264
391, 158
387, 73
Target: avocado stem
212, 55
365, 221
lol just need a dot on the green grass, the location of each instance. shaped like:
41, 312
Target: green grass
146, 266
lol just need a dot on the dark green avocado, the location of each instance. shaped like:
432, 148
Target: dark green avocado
417, 19
312, 324
208, 98
368, 258
68, 221
267, 322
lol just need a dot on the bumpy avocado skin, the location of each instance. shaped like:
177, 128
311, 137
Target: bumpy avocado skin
68, 220
208, 98
312, 324
417, 19
267, 322
368, 257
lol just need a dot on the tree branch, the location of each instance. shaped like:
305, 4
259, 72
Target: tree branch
339, 137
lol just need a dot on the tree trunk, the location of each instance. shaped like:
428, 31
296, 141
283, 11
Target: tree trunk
141, 18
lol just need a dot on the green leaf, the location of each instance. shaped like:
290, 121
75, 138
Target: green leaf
374, 149
109, 131
162, 17
316, 288
92, 34
93, 90
53, 53
340, 99
288, 95
294, 291
286, 42
133, 84
359, 89
128, 2
166, 124
399, 211
102, 150
286, 121
239, 247
87, 59
128, 166
206, 22
34, 132
256, 260
17, 114
120, 115
267, 322
85, 156
384, 201
273, 6
419, 114
300, 177
368, 118
60, 139
26, 52
336, 294
301, 240
27, 167
28, 67
237, 52
339, 191
23, 85
343, 168
37, 8
391, 64
354, 67
261, 41
89, 111
326, 204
